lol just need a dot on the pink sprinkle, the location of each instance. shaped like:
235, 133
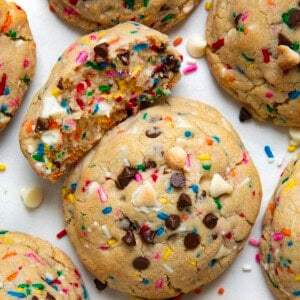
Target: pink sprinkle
138, 177
65, 291
118, 213
34, 257
244, 16
269, 95
93, 37
245, 158
102, 195
72, 47
156, 256
112, 73
254, 242
188, 160
70, 11
277, 236
159, 284
82, 57
25, 63
190, 69
104, 247
257, 258
14, 103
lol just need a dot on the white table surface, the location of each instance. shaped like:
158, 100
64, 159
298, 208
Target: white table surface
52, 36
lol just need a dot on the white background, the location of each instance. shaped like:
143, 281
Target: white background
52, 36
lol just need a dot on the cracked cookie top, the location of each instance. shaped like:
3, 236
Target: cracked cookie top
17, 59
279, 247
254, 54
31, 268
93, 15
165, 201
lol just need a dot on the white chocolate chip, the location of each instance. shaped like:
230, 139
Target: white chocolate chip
295, 135
176, 158
144, 196
219, 186
287, 58
247, 268
196, 46
32, 197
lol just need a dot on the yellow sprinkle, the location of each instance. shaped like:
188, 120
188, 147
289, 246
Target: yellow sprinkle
49, 165
208, 5
291, 148
101, 34
55, 92
136, 70
193, 263
297, 278
122, 84
136, 275
204, 157
164, 200
63, 191
290, 185
38, 292
19, 289
167, 253
2, 167
251, 66
71, 198
7, 240
111, 242
85, 40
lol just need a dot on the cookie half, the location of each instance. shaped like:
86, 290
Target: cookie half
30, 268
254, 55
97, 82
165, 202
17, 59
279, 248
96, 14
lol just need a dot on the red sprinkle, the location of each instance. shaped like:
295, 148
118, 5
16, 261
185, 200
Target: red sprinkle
2, 84
61, 234
218, 44
266, 55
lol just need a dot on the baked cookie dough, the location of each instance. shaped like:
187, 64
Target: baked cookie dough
253, 52
91, 15
17, 59
279, 247
97, 82
165, 201
30, 268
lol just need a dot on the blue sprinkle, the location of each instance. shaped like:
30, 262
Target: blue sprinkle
296, 293
107, 210
142, 17
162, 216
40, 149
85, 293
294, 94
140, 47
55, 287
6, 91
96, 109
145, 281
48, 281
160, 231
169, 189
268, 258
195, 188
3, 108
187, 134
103, 64
64, 103
195, 230
155, 81
290, 243
212, 263
268, 151
73, 186
66, 127
16, 294
198, 254
216, 138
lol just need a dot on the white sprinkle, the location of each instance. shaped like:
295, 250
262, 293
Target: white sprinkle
244, 182
96, 224
247, 268
126, 162
279, 161
168, 268
106, 231
270, 160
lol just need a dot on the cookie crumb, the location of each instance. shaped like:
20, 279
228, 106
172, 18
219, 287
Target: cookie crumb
32, 196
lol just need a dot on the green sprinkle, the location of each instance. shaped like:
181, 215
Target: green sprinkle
129, 4
27, 291
247, 57
26, 79
167, 18
241, 29
269, 108
273, 283
146, 3
218, 204
92, 65
38, 286
104, 88
159, 92
145, 115
23, 285
206, 167
12, 34
133, 31
59, 273
286, 17
295, 46
3, 232
285, 180
89, 93
38, 157
140, 167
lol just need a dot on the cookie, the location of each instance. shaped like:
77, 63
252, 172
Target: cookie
253, 53
30, 268
279, 251
98, 81
96, 14
17, 59
164, 202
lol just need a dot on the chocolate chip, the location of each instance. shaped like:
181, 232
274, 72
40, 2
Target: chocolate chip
184, 201
283, 40
150, 164
129, 238
214, 236
237, 19
178, 180
50, 297
294, 18
191, 240
148, 236
153, 133
125, 177
60, 84
124, 57
164, 8
161, 48
101, 50
141, 263
100, 285
34, 298
244, 115
41, 124
210, 221
173, 222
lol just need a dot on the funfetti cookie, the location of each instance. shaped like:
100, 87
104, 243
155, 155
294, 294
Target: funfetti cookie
165, 201
30, 268
98, 14
17, 59
279, 248
97, 82
253, 52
